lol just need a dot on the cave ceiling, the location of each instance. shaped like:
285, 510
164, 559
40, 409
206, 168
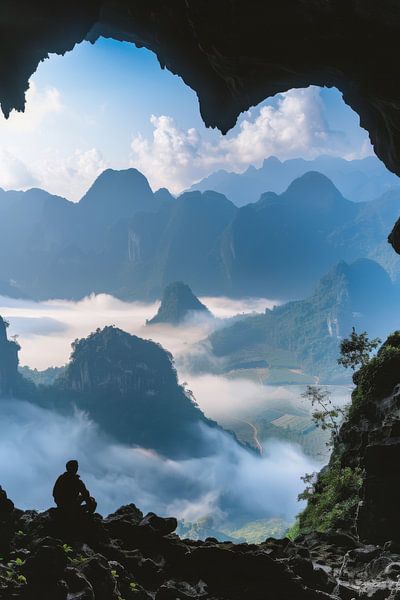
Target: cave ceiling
233, 53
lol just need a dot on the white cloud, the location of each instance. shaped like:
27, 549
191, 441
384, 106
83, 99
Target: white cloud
40, 103
172, 157
60, 174
14, 174
71, 175
229, 481
294, 127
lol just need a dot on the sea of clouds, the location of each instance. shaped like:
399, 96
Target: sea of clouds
231, 483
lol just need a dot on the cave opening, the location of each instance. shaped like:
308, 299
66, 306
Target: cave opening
106, 109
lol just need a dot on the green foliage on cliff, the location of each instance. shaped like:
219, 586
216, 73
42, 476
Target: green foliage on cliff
378, 377
306, 334
129, 387
333, 495
332, 499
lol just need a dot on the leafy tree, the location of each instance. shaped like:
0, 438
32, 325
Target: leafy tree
356, 349
326, 415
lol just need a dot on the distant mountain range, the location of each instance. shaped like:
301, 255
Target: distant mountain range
123, 239
300, 339
358, 180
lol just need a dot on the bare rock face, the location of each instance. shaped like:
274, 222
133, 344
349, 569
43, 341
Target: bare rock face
9, 376
378, 514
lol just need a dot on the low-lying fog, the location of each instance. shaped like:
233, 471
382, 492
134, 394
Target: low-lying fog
232, 483
46, 329
34, 443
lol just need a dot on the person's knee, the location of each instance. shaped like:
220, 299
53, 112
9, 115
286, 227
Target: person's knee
91, 505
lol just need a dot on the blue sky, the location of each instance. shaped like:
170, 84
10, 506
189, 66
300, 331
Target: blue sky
111, 105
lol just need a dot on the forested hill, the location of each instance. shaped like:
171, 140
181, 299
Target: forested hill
304, 335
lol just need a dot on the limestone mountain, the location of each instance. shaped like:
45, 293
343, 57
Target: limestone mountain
304, 335
180, 243
129, 387
123, 239
177, 304
257, 249
60, 249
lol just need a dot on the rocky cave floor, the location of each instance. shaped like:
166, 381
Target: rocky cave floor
129, 556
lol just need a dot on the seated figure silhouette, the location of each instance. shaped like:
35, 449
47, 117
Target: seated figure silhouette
70, 493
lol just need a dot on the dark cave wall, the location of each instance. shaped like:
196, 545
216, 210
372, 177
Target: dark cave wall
233, 53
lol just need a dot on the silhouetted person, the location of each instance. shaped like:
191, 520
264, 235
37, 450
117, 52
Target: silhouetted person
70, 493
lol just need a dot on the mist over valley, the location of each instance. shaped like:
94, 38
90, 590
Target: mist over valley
242, 361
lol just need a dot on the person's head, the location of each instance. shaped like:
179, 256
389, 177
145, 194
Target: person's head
72, 467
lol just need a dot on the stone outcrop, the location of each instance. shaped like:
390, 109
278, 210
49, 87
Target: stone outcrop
131, 556
127, 556
177, 304
9, 376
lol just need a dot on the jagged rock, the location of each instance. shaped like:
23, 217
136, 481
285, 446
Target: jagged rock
79, 587
364, 554
345, 592
44, 571
97, 571
126, 555
6, 505
158, 524
393, 570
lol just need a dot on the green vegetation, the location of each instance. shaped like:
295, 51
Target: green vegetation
256, 532
355, 350
12, 571
333, 495
45, 377
325, 415
302, 338
377, 378
332, 498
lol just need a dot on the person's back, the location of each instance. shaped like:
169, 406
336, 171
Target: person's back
70, 492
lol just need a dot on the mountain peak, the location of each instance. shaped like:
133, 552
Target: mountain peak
177, 303
271, 161
313, 181
116, 183
119, 194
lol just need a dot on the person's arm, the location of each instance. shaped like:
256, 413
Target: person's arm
56, 488
84, 492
